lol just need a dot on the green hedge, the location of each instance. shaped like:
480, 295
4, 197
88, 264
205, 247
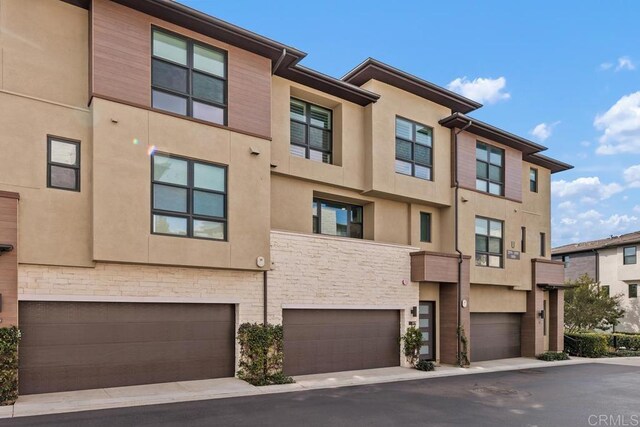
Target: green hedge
550, 356
9, 339
586, 344
261, 354
424, 365
628, 341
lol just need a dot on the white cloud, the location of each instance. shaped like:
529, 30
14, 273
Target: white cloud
606, 65
620, 126
636, 208
625, 63
567, 205
632, 176
585, 143
544, 130
592, 225
619, 223
590, 215
568, 221
483, 90
589, 188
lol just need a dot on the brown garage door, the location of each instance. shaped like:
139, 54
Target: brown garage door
317, 341
495, 336
83, 345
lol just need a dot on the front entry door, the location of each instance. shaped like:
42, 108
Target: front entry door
427, 318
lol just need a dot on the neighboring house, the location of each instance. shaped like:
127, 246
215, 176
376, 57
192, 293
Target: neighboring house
614, 263
166, 176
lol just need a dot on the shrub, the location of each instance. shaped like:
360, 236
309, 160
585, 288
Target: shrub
624, 353
261, 354
628, 341
586, 344
424, 365
9, 338
411, 340
550, 356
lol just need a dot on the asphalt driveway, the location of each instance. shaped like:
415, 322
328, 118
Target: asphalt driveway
573, 395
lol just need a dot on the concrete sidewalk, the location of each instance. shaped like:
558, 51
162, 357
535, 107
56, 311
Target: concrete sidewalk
118, 397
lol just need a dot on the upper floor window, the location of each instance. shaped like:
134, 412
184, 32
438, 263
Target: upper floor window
605, 290
337, 219
488, 242
414, 149
543, 244
566, 259
629, 255
188, 78
63, 164
533, 180
311, 136
489, 169
523, 239
188, 198
425, 227
633, 291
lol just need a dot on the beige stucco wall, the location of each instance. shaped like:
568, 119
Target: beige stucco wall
122, 177
533, 213
311, 271
496, 299
618, 276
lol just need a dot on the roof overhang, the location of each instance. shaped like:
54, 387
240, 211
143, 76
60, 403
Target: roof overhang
459, 120
372, 69
547, 162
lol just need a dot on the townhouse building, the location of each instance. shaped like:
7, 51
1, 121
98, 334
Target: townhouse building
611, 262
166, 176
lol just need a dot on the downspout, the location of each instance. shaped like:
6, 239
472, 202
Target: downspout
460, 259
595, 251
279, 61
264, 288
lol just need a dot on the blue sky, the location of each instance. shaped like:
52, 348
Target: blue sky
564, 74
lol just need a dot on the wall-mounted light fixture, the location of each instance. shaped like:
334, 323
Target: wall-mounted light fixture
541, 314
414, 311
5, 248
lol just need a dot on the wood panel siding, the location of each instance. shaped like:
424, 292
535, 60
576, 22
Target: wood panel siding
9, 260
548, 272
121, 66
467, 166
450, 303
434, 267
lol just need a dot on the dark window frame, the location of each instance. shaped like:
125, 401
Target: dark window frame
488, 163
523, 239
307, 125
633, 290
533, 183
543, 244
605, 289
634, 257
75, 167
425, 216
190, 71
317, 217
190, 187
488, 236
413, 143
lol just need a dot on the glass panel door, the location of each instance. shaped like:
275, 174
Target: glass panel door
426, 323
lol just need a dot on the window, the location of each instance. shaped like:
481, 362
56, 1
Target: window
425, 227
604, 289
311, 136
533, 180
488, 242
337, 219
633, 291
188, 78
630, 255
414, 144
489, 169
188, 198
543, 244
566, 259
523, 239
63, 163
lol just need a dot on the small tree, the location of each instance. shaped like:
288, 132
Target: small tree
412, 340
587, 307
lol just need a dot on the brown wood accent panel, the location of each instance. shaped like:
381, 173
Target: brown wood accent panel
512, 174
449, 306
467, 165
495, 336
85, 345
121, 60
532, 330
548, 272
466, 160
434, 267
317, 341
9, 260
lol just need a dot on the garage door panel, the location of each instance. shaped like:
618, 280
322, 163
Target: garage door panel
495, 336
338, 340
133, 343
